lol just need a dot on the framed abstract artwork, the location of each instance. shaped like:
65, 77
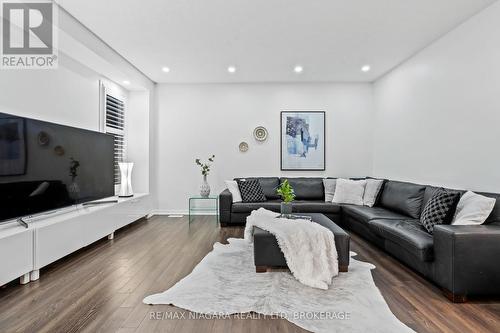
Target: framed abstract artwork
303, 140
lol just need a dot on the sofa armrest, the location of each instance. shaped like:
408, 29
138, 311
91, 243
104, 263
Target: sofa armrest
467, 259
225, 204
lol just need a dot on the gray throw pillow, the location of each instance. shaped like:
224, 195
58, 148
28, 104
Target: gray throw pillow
372, 190
330, 185
349, 192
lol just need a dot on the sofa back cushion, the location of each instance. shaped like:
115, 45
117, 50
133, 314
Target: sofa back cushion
403, 198
307, 188
495, 214
268, 184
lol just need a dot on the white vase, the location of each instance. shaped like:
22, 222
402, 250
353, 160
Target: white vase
74, 191
286, 208
205, 188
126, 179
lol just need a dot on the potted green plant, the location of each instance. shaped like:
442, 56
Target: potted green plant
287, 194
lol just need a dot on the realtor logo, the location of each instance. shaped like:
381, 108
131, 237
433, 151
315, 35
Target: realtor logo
28, 34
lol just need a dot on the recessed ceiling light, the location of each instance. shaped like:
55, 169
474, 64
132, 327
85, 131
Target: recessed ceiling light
165, 69
231, 69
298, 69
366, 68
126, 82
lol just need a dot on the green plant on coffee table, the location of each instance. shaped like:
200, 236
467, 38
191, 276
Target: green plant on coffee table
205, 167
286, 192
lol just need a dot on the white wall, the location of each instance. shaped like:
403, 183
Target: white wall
137, 123
68, 95
199, 120
438, 114
153, 147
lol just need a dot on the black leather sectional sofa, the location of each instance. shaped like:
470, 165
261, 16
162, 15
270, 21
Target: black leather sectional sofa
463, 260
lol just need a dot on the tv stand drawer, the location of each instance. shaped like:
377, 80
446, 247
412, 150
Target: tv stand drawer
72, 231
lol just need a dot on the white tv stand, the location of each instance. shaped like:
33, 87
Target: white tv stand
23, 252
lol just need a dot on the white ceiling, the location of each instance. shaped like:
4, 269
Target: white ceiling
265, 39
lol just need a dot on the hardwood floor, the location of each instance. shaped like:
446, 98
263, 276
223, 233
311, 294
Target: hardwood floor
100, 288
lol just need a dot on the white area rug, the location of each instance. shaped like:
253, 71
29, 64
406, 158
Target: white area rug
225, 282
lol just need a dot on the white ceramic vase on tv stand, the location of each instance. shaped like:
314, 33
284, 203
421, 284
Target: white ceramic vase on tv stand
126, 179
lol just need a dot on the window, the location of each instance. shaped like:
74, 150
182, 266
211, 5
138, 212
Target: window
114, 124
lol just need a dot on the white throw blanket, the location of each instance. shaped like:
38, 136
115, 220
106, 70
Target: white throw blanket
308, 247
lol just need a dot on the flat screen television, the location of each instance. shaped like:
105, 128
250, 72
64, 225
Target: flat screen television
46, 166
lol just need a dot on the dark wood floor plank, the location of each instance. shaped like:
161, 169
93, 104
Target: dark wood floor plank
100, 288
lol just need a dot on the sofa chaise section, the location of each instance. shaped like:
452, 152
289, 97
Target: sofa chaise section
467, 260
454, 257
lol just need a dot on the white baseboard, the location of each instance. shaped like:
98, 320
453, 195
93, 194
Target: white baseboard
169, 212
161, 212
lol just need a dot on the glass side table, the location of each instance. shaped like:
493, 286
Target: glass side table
215, 208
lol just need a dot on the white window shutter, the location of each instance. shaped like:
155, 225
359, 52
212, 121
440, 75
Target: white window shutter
114, 121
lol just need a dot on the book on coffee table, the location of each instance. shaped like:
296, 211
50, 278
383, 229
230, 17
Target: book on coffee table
295, 217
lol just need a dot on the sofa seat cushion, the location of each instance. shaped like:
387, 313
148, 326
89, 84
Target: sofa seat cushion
408, 234
315, 206
365, 214
247, 207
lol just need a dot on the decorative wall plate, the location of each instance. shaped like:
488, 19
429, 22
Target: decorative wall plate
260, 133
59, 150
243, 147
43, 139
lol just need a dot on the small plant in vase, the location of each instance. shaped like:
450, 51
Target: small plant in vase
205, 170
287, 194
73, 188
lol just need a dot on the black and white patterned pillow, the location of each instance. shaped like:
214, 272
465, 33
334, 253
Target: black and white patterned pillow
251, 191
440, 209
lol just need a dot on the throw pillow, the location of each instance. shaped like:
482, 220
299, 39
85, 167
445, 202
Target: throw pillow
250, 190
473, 209
232, 186
439, 209
329, 185
349, 192
372, 190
